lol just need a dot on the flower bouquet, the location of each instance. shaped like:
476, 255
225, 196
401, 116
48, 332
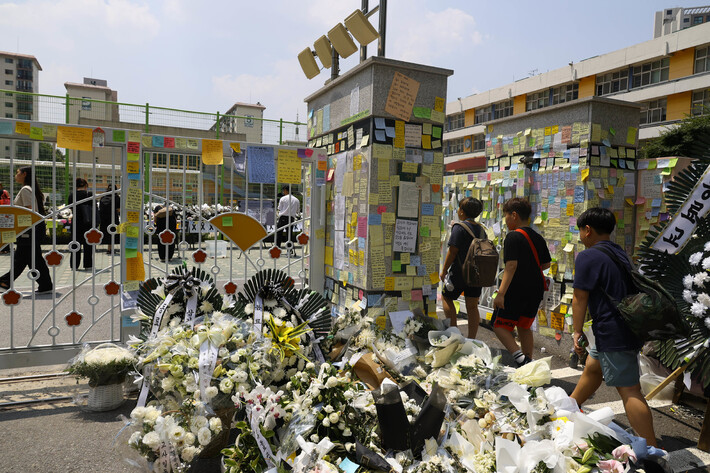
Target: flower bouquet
106, 367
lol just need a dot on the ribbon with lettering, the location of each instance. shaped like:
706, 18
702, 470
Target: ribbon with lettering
167, 460
209, 341
258, 314
311, 337
678, 231
157, 321
261, 441
190, 286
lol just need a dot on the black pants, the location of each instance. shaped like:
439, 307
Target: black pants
282, 235
169, 248
23, 259
84, 247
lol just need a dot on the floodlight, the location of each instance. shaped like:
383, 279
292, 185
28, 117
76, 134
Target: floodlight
359, 26
341, 40
324, 51
308, 63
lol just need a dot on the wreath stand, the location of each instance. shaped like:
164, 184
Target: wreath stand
704, 438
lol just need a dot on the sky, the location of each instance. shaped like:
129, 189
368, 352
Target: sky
207, 55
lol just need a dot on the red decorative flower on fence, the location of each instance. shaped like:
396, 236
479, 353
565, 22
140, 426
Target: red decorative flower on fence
74, 319
302, 239
111, 288
93, 236
166, 237
230, 288
199, 256
275, 252
11, 297
54, 258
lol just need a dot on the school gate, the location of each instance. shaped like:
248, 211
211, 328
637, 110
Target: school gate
218, 212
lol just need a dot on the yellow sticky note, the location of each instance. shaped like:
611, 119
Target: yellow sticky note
388, 218
411, 270
433, 278
610, 189
74, 138
236, 147
409, 167
135, 271
569, 247
22, 128
8, 236
24, 221
405, 258
212, 152
329, 255
426, 141
132, 231
288, 167
357, 162
389, 284
394, 180
438, 104
36, 133
133, 167
132, 216
585, 174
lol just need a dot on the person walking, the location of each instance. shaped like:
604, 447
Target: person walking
289, 206
614, 359
523, 285
109, 213
82, 222
4, 196
28, 251
452, 274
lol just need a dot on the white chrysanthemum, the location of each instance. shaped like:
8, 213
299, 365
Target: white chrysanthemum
689, 296
135, 438
206, 307
226, 385
215, 424
700, 278
698, 309
688, 281
138, 413
704, 299
696, 258
151, 439
706, 264
188, 453
211, 392
198, 422
249, 308
270, 303
707, 322
176, 433
707, 246
151, 414
280, 312
190, 438
204, 436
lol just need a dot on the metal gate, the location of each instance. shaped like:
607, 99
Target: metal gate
85, 306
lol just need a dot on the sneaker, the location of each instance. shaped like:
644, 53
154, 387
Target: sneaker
525, 362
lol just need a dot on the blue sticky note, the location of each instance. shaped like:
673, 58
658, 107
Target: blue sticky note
551, 200
260, 164
428, 157
607, 143
427, 209
134, 176
415, 260
656, 203
563, 203
5, 128
421, 271
326, 117
361, 243
380, 135
379, 123
126, 321
575, 168
536, 167
658, 179
348, 467
622, 164
350, 278
390, 131
374, 219
158, 142
131, 242
374, 299
578, 194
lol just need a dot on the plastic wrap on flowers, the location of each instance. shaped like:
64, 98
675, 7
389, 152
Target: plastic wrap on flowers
103, 365
428, 423
391, 416
536, 373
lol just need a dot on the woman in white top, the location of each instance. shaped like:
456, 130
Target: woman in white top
23, 253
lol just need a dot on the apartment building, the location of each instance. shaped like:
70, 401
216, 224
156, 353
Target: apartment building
669, 76
91, 91
244, 118
675, 19
20, 72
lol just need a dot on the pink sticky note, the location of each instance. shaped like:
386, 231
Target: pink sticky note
640, 200
169, 142
359, 294
362, 227
381, 209
417, 295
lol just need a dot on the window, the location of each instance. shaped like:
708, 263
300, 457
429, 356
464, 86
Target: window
24, 116
701, 103
159, 160
537, 100
8, 60
193, 162
483, 114
8, 115
697, 20
9, 104
454, 146
8, 82
650, 73
613, 82
86, 103
503, 109
653, 111
8, 71
702, 59
479, 142
175, 161
456, 121
565, 93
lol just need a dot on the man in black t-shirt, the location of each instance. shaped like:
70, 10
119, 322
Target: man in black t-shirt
523, 284
452, 274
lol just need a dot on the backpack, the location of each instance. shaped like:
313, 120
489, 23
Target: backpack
480, 267
651, 314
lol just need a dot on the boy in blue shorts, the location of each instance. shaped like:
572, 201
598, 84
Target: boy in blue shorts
614, 359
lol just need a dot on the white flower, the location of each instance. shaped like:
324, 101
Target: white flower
188, 453
198, 422
159, 291
707, 322
151, 414
168, 383
326, 422
135, 438
211, 392
314, 438
151, 439
334, 417
206, 307
688, 281
328, 409
707, 246
696, 258
226, 385
698, 309
176, 433
706, 264
688, 295
270, 303
280, 312
215, 424
189, 438
204, 436
704, 299
332, 382
347, 432
700, 278
249, 308
138, 413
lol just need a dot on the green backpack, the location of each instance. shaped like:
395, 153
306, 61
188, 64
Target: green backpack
651, 313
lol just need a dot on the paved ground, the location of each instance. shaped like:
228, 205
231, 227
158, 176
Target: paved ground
61, 437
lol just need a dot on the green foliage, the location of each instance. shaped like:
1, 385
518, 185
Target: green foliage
101, 374
681, 140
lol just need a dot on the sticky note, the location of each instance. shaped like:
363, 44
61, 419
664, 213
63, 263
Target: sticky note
24, 221
227, 220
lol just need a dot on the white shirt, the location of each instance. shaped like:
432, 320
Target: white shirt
289, 206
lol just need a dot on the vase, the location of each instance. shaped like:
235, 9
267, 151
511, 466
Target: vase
106, 397
220, 440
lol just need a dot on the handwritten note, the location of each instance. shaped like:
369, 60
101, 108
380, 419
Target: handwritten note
405, 236
74, 138
401, 96
261, 164
289, 167
212, 152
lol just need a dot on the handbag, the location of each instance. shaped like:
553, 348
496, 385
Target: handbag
545, 281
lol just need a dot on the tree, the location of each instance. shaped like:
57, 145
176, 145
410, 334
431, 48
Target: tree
681, 140
45, 153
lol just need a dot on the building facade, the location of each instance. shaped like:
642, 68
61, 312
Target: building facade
244, 118
90, 91
675, 19
20, 72
668, 76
